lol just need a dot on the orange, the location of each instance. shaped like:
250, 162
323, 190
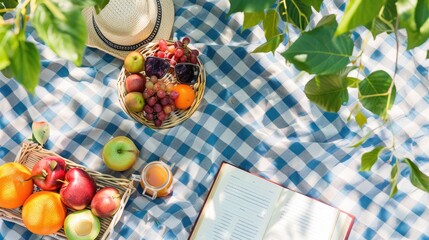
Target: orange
43, 213
15, 185
186, 96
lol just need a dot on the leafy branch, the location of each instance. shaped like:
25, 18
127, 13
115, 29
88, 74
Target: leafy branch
325, 51
59, 23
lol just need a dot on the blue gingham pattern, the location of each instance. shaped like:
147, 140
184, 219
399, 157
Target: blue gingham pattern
254, 114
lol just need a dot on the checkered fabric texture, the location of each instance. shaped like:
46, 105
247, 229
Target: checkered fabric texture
254, 114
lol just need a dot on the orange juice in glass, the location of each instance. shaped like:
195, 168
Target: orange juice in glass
156, 179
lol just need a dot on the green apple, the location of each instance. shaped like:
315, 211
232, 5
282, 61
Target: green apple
134, 101
134, 62
81, 225
120, 153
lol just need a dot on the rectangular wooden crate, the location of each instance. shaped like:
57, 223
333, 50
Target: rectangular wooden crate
31, 153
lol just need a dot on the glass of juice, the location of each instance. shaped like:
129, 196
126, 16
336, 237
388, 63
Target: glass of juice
156, 179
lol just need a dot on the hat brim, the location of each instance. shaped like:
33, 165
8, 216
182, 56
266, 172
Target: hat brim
164, 31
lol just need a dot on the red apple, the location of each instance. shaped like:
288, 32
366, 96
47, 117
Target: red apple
106, 202
78, 189
47, 171
135, 82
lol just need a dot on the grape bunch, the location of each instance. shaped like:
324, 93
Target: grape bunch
159, 97
177, 52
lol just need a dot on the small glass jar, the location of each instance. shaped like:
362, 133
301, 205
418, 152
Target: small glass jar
156, 179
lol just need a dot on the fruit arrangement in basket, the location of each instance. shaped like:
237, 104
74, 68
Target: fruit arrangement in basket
161, 82
44, 211
50, 195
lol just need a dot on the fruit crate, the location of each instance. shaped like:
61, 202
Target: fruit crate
177, 116
31, 153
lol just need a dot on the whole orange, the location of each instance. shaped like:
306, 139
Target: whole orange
43, 213
186, 96
15, 185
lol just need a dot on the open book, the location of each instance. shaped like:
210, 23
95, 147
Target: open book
242, 205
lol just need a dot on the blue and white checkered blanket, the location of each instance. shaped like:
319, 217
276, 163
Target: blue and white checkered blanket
254, 114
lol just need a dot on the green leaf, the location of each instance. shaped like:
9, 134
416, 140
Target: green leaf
250, 5
377, 93
369, 158
394, 179
53, 164
298, 13
353, 82
66, 38
7, 4
427, 54
414, 16
328, 92
327, 21
4, 58
359, 13
319, 52
100, 5
362, 140
25, 65
270, 23
271, 45
384, 22
252, 19
313, 3
7, 72
417, 177
360, 119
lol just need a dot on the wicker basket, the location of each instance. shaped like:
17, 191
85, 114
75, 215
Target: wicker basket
177, 116
31, 153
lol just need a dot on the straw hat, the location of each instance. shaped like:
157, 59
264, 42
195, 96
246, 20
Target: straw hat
125, 25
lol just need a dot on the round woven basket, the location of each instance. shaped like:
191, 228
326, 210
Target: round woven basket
176, 116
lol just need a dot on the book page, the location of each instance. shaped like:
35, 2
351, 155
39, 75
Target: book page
301, 217
238, 207
342, 226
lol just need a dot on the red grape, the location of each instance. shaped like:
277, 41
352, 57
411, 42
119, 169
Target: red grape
148, 109
164, 101
149, 92
195, 52
186, 41
170, 55
161, 94
160, 54
150, 116
152, 101
174, 95
193, 59
161, 116
158, 122
154, 79
162, 44
157, 107
178, 44
183, 58
179, 52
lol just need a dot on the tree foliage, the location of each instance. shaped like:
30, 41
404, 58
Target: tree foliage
325, 51
59, 23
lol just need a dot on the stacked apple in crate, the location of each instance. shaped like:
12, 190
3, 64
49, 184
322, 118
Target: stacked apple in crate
77, 191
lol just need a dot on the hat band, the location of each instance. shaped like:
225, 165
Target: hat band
134, 46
